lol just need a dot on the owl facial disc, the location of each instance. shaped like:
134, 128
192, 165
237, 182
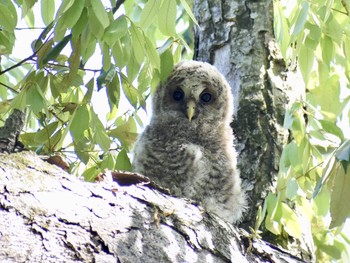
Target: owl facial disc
190, 107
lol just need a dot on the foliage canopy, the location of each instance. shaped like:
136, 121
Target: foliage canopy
139, 42
312, 190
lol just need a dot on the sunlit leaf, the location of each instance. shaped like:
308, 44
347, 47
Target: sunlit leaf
292, 188
72, 15
123, 162
149, 13
152, 53
167, 18
113, 92
47, 11
34, 99
99, 132
166, 64
44, 134
290, 221
108, 162
189, 11
80, 122
343, 152
8, 16
300, 22
281, 28
306, 61
340, 208
274, 213
100, 13
327, 50
138, 43
116, 30
130, 92
91, 173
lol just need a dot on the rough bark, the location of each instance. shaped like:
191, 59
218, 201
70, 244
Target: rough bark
47, 215
237, 37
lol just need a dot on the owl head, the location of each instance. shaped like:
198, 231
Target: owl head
195, 92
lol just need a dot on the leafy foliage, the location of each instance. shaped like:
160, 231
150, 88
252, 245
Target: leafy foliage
311, 195
57, 90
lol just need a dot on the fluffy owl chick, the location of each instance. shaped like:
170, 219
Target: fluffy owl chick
188, 145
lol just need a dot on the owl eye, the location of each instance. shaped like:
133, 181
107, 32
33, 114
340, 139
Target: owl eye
178, 95
206, 97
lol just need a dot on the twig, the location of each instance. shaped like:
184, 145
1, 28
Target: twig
19, 63
29, 28
8, 87
117, 5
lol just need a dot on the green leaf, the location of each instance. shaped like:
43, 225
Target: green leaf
72, 15
292, 188
105, 77
44, 134
326, 96
152, 53
327, 47
66, 4
340, 207
166, 64
83, 149
290, 221
302, 17
189, 11
125, 133
80, 122
138, 41
80, 25
332, 128
8, 16
306, 61
108, 162
343, 152
274, 213
149, 13
130, 92
100, 13
322, 201
99, 132
95, 26
123, 161
116, 30
167, 18
91, 173
281, 28
328, 172
113, 92
56, 50
34, 99
60, 30
48, 11
90, 89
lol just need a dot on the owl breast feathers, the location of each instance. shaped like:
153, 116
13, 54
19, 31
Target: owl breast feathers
188, 145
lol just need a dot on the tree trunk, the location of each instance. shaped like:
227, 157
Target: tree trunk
237, 37
47, 215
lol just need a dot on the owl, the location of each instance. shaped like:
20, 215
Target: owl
188, 145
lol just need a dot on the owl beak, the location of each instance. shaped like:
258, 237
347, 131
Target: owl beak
191, 106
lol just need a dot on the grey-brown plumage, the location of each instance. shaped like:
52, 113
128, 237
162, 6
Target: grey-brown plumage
188, 145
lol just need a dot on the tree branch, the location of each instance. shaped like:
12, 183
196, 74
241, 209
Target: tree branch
18, 64
117, 5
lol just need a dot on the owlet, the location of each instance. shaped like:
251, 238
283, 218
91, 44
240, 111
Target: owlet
188, 145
